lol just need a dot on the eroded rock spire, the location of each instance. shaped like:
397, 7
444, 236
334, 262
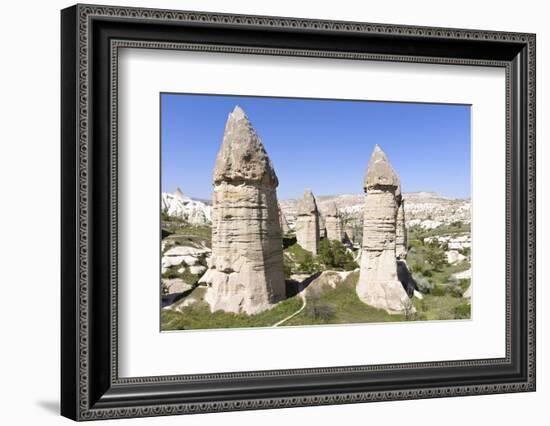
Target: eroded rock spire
333, 223
246, 269
307, 223
378, 283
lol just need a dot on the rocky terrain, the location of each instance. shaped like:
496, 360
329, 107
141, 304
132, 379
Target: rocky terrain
250, 260
178, 205
425, 209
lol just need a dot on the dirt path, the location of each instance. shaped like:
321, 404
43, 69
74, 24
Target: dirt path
303, 296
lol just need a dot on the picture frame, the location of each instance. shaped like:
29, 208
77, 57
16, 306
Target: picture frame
90, 385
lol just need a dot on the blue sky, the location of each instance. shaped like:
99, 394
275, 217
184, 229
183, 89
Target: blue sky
324, 145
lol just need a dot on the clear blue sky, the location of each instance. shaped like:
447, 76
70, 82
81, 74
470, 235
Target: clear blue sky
324, 145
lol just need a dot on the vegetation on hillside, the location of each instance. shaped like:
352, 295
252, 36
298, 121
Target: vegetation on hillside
325, 304
428, 263
332, 255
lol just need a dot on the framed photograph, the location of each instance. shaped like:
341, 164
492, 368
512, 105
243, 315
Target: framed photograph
263, 212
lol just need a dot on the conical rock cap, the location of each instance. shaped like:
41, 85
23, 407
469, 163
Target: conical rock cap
242, 157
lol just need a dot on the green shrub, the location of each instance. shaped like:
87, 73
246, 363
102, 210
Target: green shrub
423, 284
463, 311
435, 256
322, 311
307, 265
334, 255
455, 291
465, 251
171, 273
287, 267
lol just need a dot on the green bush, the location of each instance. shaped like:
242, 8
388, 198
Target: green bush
306, 265
465, 251
171, 273
435, 256
321, 311
455, 291
334, 255
463, 311
287, 267
423, 284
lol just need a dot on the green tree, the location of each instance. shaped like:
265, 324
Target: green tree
333, 254
435, 256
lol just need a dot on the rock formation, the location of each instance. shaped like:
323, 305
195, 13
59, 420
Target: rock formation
179, 205
322, 225
307, 223
378, 283
285, 228
333, 223
400, 228
246, 268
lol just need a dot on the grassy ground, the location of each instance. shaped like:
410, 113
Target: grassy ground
198, 316
417, 232
444, 307
186, 235
339, 305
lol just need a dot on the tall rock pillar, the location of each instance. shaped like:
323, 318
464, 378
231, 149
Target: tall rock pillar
378, 283
333, 223
307, 223
246, 267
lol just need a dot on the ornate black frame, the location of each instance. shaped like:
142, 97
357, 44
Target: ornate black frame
91, 37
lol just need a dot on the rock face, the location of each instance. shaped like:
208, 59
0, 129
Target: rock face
400, 229
307, 223
333, 223
283, 222
246, 268
378, 283
192, 211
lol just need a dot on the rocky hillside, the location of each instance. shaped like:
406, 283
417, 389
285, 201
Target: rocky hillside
426, 209
178, 205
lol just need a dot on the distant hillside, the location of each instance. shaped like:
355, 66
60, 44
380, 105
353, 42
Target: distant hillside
427, 209
194, 212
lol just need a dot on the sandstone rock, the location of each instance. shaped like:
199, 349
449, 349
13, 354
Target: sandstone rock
192, 211
378, 283
454, 257
322, 226
333, 223
176, 285
464, 275
246, 267
186, 251
283, 221
468, 293
168, 261
400, 230
418, 295
307, 223
197, 269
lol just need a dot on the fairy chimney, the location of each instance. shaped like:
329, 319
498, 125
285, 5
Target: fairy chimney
378, 284
246, 267
307, 223
333, 223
